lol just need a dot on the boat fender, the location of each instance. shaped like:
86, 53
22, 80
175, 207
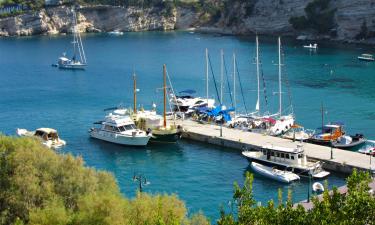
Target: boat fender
134, 133
148, 131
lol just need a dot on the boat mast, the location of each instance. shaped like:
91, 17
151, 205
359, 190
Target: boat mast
234, 83
135, 93
165, 95
280, 77
257, 107
222, 76
322, 109
207, 76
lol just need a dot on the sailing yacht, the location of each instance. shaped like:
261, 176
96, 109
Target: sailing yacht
78, 60
283, 122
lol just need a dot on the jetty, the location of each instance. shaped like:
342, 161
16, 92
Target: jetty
333, 159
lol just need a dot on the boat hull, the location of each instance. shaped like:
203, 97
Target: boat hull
285, 177
121, 139
165, 137
72, 67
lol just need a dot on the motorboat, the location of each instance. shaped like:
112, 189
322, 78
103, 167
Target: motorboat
275, 174
78, 61
298, 133
284, 158
185, 101
368, 151
282, 125
329, 133
366, 57
116, 32
311, 46
348, 142
318, 187
48, 136
120, 130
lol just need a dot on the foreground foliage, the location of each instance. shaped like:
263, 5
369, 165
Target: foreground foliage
356, 207
38, 186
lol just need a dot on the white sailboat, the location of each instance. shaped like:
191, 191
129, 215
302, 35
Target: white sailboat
78, 60
283, 122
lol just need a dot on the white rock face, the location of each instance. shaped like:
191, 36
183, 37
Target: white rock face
90, 19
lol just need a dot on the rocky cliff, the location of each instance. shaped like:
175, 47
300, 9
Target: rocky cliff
269, 17
90, 19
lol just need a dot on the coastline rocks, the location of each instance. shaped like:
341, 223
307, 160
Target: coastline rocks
54, 20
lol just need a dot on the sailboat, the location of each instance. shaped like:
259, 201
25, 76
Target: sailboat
283, 122
78, 60
151, 122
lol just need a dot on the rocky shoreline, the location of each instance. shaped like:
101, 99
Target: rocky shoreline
268, 18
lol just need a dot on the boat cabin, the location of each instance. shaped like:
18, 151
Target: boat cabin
285, 155
331, 132
47, 134
118, 124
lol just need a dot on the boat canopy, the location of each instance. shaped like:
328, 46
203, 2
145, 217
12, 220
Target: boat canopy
188, 91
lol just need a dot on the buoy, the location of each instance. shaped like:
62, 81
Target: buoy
317, 187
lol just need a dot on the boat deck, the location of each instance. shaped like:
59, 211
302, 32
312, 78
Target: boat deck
343, 161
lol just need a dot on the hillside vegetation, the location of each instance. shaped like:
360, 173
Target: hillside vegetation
41, 187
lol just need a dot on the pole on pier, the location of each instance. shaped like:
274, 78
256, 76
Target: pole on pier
331, 146
308, 188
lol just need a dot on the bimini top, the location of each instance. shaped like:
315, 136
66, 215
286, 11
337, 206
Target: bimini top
117, 120
46, 130
188, 91
298, 149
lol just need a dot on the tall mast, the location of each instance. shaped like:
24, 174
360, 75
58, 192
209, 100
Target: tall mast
165, 95
135, 93
322, 109
222, 76
257, 107
234, 82
207, 76
280, 77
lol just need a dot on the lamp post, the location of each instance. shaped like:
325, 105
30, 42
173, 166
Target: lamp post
331, 146
142, 181
222, 120
308, 188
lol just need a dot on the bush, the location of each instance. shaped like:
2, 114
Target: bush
41, 187
318, 17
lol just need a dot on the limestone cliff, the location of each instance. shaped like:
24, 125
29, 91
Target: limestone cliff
269, 17
90, 19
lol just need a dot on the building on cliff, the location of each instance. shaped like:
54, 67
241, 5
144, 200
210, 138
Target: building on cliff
11, 8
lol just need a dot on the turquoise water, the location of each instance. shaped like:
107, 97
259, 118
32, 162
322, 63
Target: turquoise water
34, 94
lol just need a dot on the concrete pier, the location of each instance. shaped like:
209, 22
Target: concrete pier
343, 161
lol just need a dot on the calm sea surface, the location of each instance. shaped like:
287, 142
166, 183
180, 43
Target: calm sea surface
35, 94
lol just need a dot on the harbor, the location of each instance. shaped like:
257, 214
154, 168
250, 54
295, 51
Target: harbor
341, 161
201, 167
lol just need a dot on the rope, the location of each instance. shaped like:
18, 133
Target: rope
226, 74
213, 75
243, 96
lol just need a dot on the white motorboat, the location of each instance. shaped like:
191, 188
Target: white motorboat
120, 130
116, 32
78, 61
311, 46
186, 101
366, 57
275, 174
283, 158
298, 133
48, 136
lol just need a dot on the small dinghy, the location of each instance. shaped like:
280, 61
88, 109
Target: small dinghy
311, 46
318, 187
348, 142
366, 57
49, 137
275, 174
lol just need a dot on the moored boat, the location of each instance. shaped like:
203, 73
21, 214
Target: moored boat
311, 46
298, 133
78, 61
119, 130
275, 174
284, 157
48, 136
366, 57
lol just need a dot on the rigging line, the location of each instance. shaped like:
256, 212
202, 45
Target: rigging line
226, 74
287, 82
213, 75
264, 89
173, 93
243, 96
